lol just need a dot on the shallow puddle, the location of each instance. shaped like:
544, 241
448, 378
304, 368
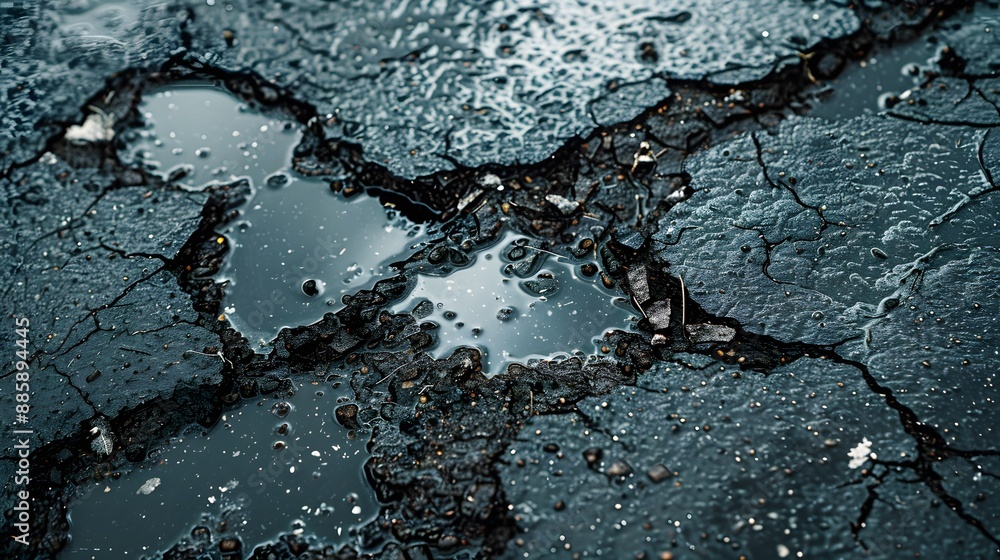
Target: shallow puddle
298, 247
551, 311
869, 86
299, 251
200, 134
270, 461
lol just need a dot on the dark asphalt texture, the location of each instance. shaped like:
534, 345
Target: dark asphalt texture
809, 249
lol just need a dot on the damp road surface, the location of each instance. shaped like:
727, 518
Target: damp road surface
549, 279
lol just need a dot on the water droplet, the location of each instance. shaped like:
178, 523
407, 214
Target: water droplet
311, 287
281, 409
277, 181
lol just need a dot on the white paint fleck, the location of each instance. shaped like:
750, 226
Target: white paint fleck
861, 453
97, 127
148, 486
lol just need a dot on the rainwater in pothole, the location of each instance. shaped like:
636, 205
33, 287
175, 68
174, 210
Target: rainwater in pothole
297, 247
876, 83
270, 461
514, 312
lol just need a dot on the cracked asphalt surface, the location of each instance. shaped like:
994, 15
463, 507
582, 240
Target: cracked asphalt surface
813, 367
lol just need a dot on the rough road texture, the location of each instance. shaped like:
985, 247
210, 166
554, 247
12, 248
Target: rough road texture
804, 284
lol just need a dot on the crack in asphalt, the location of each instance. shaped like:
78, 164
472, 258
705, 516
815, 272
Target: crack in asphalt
93, 312
932, 447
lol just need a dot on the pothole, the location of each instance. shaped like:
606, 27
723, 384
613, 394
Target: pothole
297, 247
280, 465
518, 303
298, 252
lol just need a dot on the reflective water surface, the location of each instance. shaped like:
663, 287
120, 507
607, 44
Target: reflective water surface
554, 309
297, 247
271, 461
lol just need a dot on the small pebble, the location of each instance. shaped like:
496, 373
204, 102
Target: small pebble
618, 468
659, 473
593, 456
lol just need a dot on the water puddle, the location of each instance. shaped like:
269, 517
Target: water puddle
871, 85
553, 309
298, 247
270, 462
199, 134
298, 252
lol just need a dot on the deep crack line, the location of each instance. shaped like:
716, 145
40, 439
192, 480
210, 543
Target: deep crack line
824, 223
968, 199
931, 448
92, 314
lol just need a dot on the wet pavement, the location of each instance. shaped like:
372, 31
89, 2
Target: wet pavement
505, 82
546, 280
